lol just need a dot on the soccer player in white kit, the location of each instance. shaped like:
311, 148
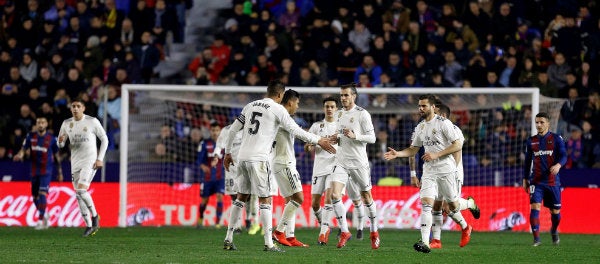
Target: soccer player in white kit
287, 177
439, 138
354, 131
322, 167
231, 179
260, 121
81, 130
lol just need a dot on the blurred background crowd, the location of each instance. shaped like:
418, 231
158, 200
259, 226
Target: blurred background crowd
54, 50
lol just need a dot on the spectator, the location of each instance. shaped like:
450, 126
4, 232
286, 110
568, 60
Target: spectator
586, 79
25, 120
28, 67
529, 73
567, 41
589, 143
509, 75
141, 17
61, 13
463, 32
360, 36
546, 88
452, 70
371, 18
557, 71
478, 20
448, 15
290, 19
398, 16
575, 149
147, 55
420, 70
426, 17
74, 83
163, 20
570, 112
274, 52
368, 67
476, 70
504, 25
92, 56
591, 111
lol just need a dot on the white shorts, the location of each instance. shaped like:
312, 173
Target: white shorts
353, 192
458, 185
231, 179
288, 179
82, 176
361, 176
442, 185
320, 184
254, 178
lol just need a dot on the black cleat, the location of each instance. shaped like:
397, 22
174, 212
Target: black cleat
421, 247
90, 231
229, 245
475, 212
359, 234
274, 248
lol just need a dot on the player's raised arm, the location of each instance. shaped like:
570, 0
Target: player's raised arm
288, 123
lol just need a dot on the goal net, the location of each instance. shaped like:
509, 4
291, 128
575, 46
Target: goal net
164, 125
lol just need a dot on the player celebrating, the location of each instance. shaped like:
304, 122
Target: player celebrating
438, 204
355, 130
231, 178
287, 177
260, 121
212, 168
43, 150
81, 130
439, 138
545, 155
322, 167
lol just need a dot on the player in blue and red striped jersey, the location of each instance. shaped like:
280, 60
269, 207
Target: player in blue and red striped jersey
213, 179
43, 151
545, 155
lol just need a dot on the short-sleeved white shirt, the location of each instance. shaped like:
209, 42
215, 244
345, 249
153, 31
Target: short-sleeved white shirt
324, 161
436, 135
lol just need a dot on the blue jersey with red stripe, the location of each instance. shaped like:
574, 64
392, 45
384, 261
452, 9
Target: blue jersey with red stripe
543, 152
42, 149
206, 152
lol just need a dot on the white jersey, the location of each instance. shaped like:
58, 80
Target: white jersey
82, 138
352, 153
436, 135
460, 173
284, 148
324, 161
260, 121
222, 139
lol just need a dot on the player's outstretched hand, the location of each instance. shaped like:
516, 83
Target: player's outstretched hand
227, 161
98, 164
325, 143
390, 155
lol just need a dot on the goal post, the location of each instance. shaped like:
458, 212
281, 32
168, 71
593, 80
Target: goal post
145, 108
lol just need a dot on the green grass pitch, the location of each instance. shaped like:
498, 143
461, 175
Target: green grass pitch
190, 245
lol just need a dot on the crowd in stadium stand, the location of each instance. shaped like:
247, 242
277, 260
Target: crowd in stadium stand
55, 50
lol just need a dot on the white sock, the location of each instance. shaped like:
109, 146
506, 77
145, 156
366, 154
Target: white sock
373, 215
266, 219
463, 204
326, 214
438, 221
289, 211
290, 228
360, 216
87, 198
426, 220
254, 209
85, 212
319, 214
234, 218
458, 218
340, 214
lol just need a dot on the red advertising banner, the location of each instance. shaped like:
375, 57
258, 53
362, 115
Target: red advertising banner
157, 204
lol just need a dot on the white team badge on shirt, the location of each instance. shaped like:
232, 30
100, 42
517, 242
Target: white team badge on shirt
84, 129
433, 131
340, 115
352, 120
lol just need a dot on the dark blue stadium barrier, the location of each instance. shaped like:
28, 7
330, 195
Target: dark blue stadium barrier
157, 172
